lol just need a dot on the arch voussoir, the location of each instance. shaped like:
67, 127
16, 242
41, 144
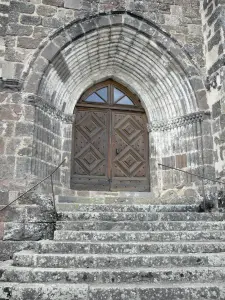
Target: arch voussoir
130, 43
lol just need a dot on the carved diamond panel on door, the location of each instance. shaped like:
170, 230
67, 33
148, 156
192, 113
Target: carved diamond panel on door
90, 150
130, 152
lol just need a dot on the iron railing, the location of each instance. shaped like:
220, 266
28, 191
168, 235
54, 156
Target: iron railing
37, 184
196, 175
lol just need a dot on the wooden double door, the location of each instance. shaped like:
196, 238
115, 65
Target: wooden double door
110, 148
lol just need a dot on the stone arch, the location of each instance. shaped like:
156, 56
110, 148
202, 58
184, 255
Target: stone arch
123, 46
135, 53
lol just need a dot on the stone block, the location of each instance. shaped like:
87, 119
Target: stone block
7, 167
12, 145
8, 248
50, 51
215, 40
30, 20
208, 157
52, 22
213, 16
6, 129
33, 82
207, 142
46, 10
74, 4
4, 197
67, 145
41, 32
23, 167
19, 30
28, 42
28, 231
22, 7
168, 161
181, 161
216, 109
24, 129
11, 112
58, 3
75, 31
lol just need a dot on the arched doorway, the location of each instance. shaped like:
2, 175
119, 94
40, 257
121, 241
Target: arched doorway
110, 141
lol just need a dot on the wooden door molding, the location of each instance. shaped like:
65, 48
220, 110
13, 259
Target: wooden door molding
110, 147
130, 156
90, 157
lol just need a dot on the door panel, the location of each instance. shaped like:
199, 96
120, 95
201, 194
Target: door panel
90, 150
129, 152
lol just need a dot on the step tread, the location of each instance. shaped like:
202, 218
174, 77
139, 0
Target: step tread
30, 252
124, 269
149, 222
146, 212
136, 232
159, 285
117, 285
197, 242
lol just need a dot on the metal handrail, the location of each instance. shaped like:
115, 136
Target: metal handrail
33, 187
192, 174
186, 172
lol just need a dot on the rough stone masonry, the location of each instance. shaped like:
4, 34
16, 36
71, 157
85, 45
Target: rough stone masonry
46, 44
169, 52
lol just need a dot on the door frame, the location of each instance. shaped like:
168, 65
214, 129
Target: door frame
111, 107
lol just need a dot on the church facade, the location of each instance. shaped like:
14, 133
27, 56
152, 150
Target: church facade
129, 92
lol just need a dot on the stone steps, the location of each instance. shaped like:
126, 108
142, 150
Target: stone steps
43, 291
56, 260
132, 236
112, 198
171, 291
69, 291
130, 247
120, 252
140, 216
100, 276
124, 208
140, 226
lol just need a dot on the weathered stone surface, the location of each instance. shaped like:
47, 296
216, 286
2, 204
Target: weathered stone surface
46, 11
30, 20
75, 4
8, 248
53, 2
22, 7
112, 260
19, 30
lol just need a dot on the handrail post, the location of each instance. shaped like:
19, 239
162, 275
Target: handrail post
203, 166
199, 176
53, 195
33, 187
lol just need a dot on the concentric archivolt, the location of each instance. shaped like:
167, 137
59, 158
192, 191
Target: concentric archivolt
134, 53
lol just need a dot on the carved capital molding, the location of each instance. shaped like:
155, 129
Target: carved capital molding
10, 84
174, 123
51, 110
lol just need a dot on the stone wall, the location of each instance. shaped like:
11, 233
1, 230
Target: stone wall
37, 133
30, 22
213, 30
187, 145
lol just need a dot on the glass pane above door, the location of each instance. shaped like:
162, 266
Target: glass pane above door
117, 95
94, 98
103, 93
125, 101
